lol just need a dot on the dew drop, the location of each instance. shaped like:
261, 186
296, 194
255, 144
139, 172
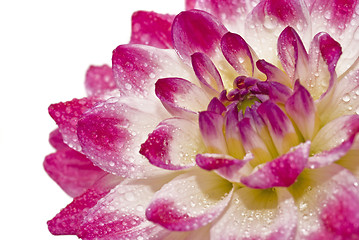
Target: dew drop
128, 86
269, 22
152, 75
346, 98
111, 164
328, 15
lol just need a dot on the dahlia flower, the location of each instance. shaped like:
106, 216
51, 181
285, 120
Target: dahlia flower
235, 119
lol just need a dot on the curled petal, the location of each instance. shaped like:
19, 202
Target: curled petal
264, 214
226, 166
280, 127
237, 52
111, 135
136, 68
277, 92
99, 79
67, 115
173, 144
280, 172
273, 73
207, 73
208, 33
211, 127
292, 54
176, 95
152, 29
190, 201
300, 107
216, 106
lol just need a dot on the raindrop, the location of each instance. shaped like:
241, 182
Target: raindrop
152, 75
346, 98
128, 86
269, 22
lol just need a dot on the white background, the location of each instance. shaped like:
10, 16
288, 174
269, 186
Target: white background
46, 47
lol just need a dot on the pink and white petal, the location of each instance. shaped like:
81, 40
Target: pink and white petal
211, 127
99, 79
339, 19
216, 106
350, 159
207, 73
342, 100
181, 97
238, 54
333, 140
258, 214
327, 199
324, 53
66, 116
72, 171
111, 135
55, 139
209, 32
190, 201
153, 29
273, 73
69, 219
267, 20
121, 213
292, 54
230, 13
300, 107
136, 68
279, 125
277, 92
280, 172
224, 165
173, 144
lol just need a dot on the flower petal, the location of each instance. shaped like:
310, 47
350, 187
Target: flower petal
121, 213
268, 19
176, 95
196, 31
258, 214
300, 107
56, 140
237, 53
280, 127
173, 144
211, 127
292, 54
67, 222
327, 199
137, 67
224, 165
280, 172
66, 116
231, 13
99, 79
150, 28
190, 201
333, 141
72, 171
111, 135
207, 73
273, 73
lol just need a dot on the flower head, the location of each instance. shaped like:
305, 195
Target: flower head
232, 120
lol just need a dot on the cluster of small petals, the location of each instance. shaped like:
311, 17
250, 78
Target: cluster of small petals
231, 120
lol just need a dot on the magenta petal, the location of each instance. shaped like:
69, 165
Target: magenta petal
68, 221
277, 92
66, 116
186, 203
273, 73
196, 31
176, 95
72, 171
300, 107
292, 54
150, 28
226, 166
56, 140
237, 52
99, 79
111, 135
207, 73
280, 172
216, 106
173, 144
211, 127
279, 125
137, 67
